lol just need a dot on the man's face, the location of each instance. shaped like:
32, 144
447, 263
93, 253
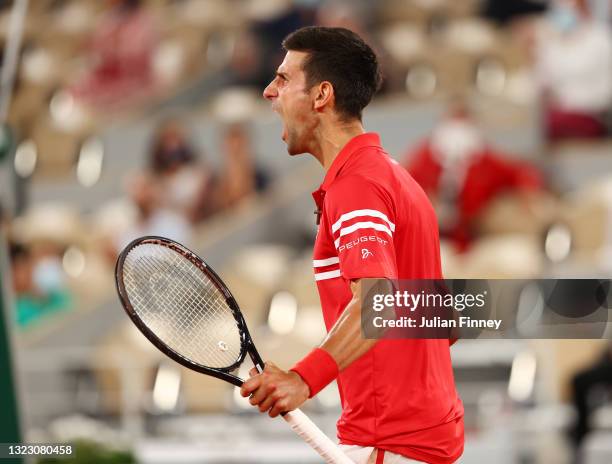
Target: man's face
293, 101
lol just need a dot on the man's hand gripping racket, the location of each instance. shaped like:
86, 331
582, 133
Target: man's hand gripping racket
183, 307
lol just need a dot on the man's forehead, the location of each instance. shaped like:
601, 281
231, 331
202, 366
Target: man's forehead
292, 63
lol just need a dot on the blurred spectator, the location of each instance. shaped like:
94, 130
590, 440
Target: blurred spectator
342, 14
462, 174
175, 192
574, 68
186, 185
151, 219
121, 54
247, 67
38, 283
597, 376
503, 11
241, 176
358, 16
257, 54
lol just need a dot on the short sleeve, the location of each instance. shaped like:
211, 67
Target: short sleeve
362, 220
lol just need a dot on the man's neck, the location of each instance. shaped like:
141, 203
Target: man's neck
330, 141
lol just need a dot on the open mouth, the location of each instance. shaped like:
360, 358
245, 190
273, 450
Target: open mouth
284, 131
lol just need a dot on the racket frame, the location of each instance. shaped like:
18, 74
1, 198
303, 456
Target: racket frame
246, 342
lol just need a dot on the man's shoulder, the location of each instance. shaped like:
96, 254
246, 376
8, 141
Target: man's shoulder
356, 183
371, 162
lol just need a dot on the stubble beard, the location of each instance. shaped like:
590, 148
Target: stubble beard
294, 147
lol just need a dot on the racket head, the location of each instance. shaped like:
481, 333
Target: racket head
151, 271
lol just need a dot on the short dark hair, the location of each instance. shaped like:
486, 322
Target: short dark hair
340, 56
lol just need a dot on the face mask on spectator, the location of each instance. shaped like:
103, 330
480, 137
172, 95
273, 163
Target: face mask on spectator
48, 275
177, 155
456, 141
563, 17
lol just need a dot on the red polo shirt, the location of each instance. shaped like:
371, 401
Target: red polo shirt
377, 222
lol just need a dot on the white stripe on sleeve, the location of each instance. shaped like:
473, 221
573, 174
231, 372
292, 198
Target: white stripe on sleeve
327, 275
362, 212
325, 262
362, 225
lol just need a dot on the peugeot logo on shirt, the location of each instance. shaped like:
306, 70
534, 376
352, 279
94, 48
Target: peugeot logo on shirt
354, 243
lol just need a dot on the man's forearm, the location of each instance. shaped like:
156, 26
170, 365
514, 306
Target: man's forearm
343, 345
344, 342
277, 391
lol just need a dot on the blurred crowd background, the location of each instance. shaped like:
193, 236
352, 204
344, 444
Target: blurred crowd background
124, 118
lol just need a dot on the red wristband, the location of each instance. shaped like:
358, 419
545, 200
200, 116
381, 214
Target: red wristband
317, 369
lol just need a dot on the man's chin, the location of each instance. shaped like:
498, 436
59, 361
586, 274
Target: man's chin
293, 151
294, 148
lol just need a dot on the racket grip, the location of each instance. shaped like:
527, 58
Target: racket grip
311, 434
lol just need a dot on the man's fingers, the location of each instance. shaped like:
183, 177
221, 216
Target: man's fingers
279, 406
250, 386
273, 390
253, 372
268, 402
261, 394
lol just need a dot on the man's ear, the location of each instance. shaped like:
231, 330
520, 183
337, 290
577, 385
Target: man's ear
324, 95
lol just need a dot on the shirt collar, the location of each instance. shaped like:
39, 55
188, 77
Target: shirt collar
358, 142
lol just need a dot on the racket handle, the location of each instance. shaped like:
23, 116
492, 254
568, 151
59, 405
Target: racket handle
311, 434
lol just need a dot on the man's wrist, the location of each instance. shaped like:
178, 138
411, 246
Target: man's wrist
318, 369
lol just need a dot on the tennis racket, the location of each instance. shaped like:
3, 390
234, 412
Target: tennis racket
183, 307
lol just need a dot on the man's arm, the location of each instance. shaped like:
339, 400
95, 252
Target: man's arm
276, 391
344, 341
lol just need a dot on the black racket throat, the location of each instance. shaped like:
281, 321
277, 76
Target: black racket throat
228, 376
135, 292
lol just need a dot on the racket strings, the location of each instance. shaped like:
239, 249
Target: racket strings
189, 321
186, 323
179, 304
211, 316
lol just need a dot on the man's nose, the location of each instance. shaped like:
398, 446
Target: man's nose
269, 92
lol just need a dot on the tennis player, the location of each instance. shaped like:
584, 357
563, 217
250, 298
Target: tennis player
399, 403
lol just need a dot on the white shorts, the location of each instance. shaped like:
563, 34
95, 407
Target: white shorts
368, 455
